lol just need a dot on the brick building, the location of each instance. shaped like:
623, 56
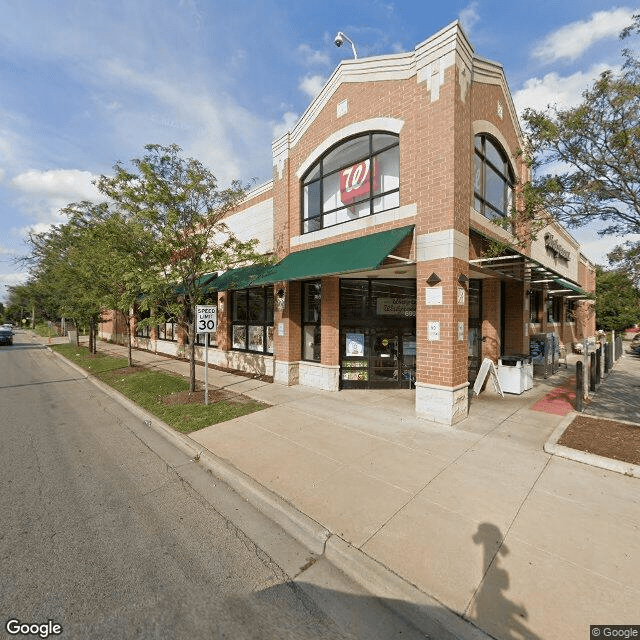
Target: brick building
381, 212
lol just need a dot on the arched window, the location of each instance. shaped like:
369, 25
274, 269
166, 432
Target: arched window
357, 178
493, 179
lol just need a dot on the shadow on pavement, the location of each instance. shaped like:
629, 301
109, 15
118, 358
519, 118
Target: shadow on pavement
491, 609
358, 617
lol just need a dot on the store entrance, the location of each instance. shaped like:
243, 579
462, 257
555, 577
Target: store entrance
377, 334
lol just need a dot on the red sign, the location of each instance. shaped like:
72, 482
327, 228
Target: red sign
355, 181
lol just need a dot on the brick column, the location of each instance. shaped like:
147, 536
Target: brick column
223, 332
287, 347
491, 319
441, 333
516, 318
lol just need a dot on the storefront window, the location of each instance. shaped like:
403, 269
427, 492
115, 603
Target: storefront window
143, 332
535, 301
493, 179
377, 333
311, 320
358, 178
168, 331
252, 319
554, 310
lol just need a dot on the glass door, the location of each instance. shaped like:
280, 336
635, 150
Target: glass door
385, 359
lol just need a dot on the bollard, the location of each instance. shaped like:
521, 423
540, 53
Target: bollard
579, 387
598, 365
592, 372
607, 358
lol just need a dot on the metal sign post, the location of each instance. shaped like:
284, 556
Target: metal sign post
206, 322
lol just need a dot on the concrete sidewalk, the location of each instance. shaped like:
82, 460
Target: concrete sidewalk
521, 543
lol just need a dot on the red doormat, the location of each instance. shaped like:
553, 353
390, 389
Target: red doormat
558, 401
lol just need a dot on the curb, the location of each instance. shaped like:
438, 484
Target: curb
423, 611
551, 446
406, 600
305, 530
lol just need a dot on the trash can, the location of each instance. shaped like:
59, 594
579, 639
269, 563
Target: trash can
515, 373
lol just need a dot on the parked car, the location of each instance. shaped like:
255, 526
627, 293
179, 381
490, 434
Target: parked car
6, 335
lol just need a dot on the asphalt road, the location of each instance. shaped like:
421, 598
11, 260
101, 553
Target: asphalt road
101, 534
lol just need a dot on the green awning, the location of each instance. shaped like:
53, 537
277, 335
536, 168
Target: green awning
240, 278
202, 281
348, 256
565, 284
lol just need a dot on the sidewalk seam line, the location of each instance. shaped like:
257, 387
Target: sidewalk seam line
504, 537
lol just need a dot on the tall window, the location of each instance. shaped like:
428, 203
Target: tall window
493, 179
554, 309
143, 332
535, 302
311, 320
168, 331
357, 178
252, 319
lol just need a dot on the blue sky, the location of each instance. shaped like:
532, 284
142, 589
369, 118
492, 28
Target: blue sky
87, 83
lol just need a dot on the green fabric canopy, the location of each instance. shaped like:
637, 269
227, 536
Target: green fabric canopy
348, 256
568, 285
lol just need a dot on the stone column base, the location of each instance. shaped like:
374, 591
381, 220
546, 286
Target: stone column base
319, 376
286, 373
444, 405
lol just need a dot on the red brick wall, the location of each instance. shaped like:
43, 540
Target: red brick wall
288, 348
330, 333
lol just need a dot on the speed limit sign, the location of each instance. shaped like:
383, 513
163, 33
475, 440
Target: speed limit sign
206, 319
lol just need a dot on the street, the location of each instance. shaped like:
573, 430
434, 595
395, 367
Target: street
101, 534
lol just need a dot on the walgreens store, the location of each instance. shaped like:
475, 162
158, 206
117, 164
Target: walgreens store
380, 215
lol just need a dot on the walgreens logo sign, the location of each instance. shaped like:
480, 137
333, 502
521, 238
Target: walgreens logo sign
355, 181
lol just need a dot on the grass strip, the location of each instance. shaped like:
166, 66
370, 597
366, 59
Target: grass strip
148, 388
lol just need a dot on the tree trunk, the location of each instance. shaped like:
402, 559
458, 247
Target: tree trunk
91, 335
129, 342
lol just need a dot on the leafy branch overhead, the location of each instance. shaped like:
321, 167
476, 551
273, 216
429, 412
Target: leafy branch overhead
160, 230
586, 159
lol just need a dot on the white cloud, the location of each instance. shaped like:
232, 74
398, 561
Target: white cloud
469, 16
596, 247
42, 194
286, 124
572, 40
12, 279
554, 89
312, 85
313, 57
72, 184
218, 131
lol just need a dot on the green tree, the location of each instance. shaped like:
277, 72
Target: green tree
591, 153
62, 276
618, 300
177, 203
110, 258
